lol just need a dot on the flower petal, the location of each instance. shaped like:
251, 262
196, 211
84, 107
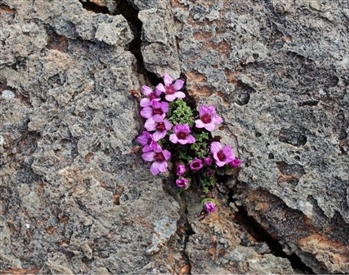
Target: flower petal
211, 109
190, 139
168, 124
146, 90
145, 102
228, 152
148, 156
173, 138
154, 168
144, 138
209, 126
170, 97
156, 147
147, 148
199, 123
163, 166
156, 104
179, 94
178, 84
159, 89
216, 119
151, 147
159, 135
147, 112
220, 163
182, 141
167, 154
167, 79
150, 124
203, 110
158, 118
215, 147
235, 162
164, 107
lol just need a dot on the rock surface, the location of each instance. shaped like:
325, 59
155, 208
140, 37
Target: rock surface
279, 74
76, 199
76, 196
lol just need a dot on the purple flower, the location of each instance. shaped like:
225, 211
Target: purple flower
196, 164
158, 124
150, 96
210, 207
146, 139
182, 182
222, 155
180, 169
181, 134
159, 157
171, 89
156, 108
208, 118
208, 161
235, 162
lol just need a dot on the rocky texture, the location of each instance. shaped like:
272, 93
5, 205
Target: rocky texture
77, 198
279, 74
159, 48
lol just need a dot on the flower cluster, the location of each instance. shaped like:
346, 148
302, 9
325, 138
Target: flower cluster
178, 133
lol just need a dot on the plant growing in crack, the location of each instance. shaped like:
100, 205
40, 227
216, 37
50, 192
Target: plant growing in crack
177, 132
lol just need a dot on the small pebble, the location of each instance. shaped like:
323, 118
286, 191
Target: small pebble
8, 94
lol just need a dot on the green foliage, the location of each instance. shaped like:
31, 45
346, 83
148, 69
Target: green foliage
201, 144
180, 113
184, 156
207, 183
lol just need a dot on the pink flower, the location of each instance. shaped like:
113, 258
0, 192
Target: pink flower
196, 164
180, 169
222, 155
182, 182
235, 162
208, 161
208, 118
181, 134
155, 108
146, 139
158, 124
171, 89
150, 96
210, 207
159, 157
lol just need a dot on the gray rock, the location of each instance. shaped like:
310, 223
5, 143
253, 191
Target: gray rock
114, 33
278, 74
78, 199
159, 47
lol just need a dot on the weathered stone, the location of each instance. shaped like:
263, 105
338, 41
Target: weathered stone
76, 196
159, 48
278, 73
217, 246
117, 32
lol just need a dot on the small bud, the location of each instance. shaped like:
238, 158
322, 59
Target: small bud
182, 182
180, 169
210, 207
